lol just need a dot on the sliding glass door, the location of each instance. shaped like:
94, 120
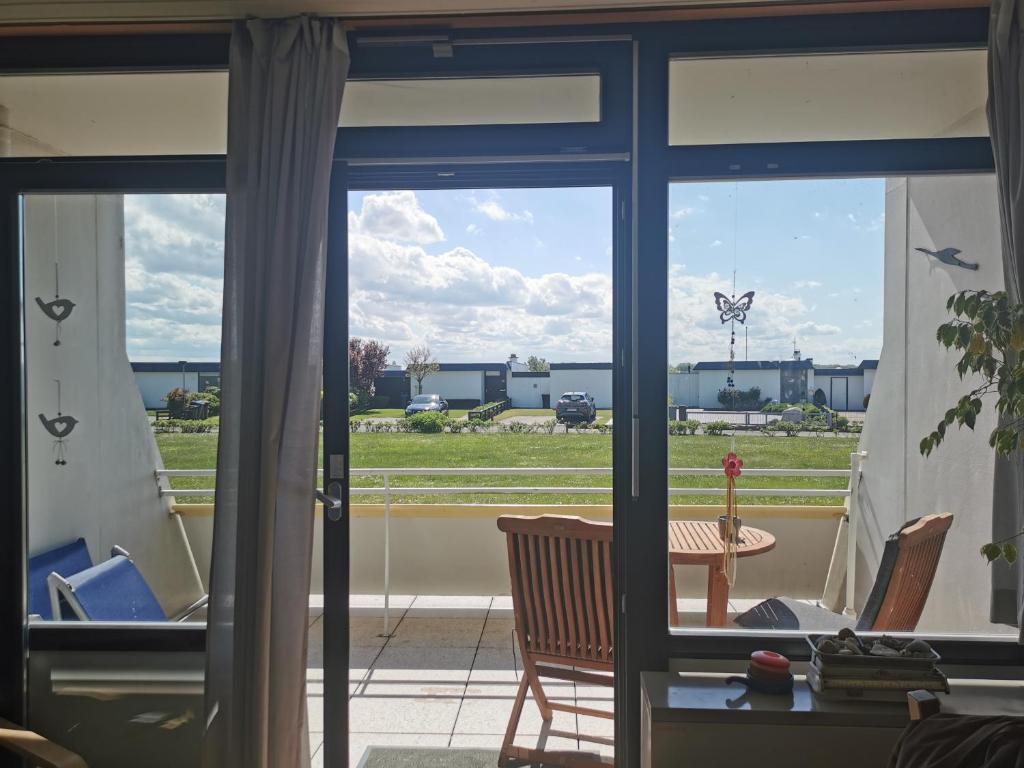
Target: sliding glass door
480, 328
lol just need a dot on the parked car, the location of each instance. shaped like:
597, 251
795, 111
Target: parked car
575, 407
424, 403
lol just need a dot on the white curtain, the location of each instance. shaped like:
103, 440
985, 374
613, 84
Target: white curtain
1006, 125
285, 85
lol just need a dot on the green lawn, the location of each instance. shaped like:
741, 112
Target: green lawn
513, 413
559, 450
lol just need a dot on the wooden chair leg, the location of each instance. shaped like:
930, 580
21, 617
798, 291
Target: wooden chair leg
673, 604
513, 721
530, 675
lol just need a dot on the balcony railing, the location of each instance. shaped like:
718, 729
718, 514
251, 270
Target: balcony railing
386, 490
389, 491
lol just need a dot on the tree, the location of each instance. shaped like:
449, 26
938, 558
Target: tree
420, 363
988, 332
537, 364
681, 368
366, 360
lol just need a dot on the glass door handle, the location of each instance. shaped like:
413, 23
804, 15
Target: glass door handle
331, 501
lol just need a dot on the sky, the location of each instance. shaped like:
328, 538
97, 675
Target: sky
479, 274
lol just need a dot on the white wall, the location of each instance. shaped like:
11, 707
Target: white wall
107, 492
684, 389
596, 381
914, 385
452, 385
154, 386
869, 380
526, 391
832, 385
713, 381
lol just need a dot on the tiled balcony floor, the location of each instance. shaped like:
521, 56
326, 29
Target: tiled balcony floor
446, 677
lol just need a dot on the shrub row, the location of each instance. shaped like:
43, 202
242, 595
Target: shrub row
188, 426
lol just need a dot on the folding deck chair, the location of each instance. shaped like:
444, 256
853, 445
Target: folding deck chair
66, 559
898, 596
563, 601
114, 590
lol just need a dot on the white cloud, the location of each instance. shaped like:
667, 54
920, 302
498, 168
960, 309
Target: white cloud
473, 229
801, 284
395, 216
495, 211
682, 213
174, 262
716, 243
697, 333
467, 309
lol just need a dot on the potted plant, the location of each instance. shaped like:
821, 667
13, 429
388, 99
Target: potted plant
988, 332
176, 399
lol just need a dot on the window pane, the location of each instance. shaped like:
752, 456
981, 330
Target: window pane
472, 101
923, 94
153, 113
802, 321
122, 347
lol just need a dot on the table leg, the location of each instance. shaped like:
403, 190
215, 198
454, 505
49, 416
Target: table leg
673, 605
718, 596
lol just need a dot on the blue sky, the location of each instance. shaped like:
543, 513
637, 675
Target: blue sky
812, 250
479, 274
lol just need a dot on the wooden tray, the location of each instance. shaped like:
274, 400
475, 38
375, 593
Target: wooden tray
862, 665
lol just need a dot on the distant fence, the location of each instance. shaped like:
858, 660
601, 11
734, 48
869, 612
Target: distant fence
489, 411
735, 418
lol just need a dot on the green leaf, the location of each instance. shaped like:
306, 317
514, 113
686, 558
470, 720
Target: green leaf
991, 552
1010, 552
969, 418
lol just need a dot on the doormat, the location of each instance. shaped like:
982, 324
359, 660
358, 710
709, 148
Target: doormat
425, 757
438, 757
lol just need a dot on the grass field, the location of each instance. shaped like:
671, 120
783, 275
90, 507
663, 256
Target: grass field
511, 450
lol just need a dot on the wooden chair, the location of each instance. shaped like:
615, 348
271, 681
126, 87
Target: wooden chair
35, 749
902, 583
563, 600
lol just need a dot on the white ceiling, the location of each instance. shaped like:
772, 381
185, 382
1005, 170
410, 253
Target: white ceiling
28, 11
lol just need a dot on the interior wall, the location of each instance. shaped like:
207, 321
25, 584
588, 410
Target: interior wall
107, 492
916, 382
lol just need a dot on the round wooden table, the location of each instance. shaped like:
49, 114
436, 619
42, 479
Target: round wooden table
696, 542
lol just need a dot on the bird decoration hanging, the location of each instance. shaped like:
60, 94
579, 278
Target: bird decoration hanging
58, 309
59, 427
949, 256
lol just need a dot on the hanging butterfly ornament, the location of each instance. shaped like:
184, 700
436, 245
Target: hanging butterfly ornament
58, 309
59, 427
732, 310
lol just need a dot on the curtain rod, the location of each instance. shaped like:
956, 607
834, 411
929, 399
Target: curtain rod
500, 20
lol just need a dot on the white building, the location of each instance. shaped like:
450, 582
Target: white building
846, 387
155, 380
595, 378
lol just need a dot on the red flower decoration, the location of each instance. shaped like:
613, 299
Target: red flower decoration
732, 464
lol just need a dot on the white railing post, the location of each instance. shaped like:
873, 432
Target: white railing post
857, 459
387, 555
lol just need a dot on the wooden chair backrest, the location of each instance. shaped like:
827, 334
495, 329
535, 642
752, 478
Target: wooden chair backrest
561, 569
920, 547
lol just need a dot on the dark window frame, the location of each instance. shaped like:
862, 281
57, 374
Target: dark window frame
646, 643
